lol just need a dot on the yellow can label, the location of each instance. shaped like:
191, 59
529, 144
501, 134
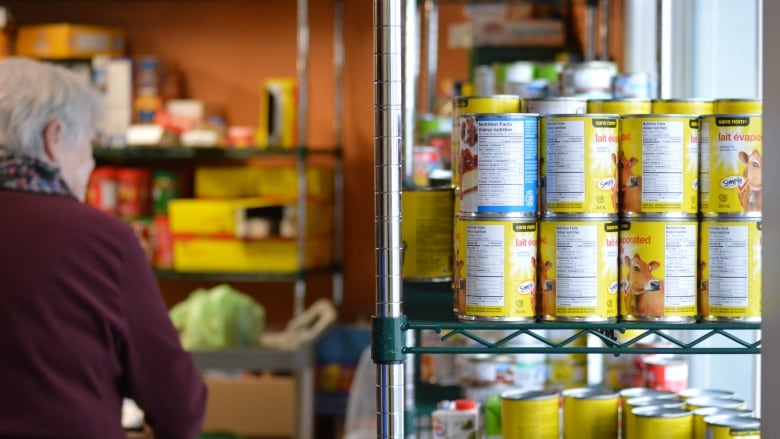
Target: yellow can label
730, 269
618, 106
585, 417
678, 427
731, 164
682, 106
578, 157
426, 231
497, 261
737, 106
578, 270
530, 418
659, 164
476, 104
658, 270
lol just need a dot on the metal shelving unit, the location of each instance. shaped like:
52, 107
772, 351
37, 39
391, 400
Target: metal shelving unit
392, 345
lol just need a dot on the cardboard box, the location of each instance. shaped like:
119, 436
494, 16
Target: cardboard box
251, 407
68, 41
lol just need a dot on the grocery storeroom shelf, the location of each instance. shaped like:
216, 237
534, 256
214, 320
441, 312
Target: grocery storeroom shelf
428, 307
157, 153
607, 333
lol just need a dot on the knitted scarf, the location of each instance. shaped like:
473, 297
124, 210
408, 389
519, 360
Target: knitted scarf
27, 174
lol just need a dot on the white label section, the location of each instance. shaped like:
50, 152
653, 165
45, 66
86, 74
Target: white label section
576, 265
680, 271
501, 166
565, 143
704, 159
728, 247
662, 161
485, 265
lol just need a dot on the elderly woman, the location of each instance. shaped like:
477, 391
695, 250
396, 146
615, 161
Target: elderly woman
82, 323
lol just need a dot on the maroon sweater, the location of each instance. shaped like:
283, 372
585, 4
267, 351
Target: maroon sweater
82, 325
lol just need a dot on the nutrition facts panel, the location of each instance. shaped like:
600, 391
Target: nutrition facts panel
485, 265
576, 262
680, 273
501, 165
663, 164
565, 157
728, 251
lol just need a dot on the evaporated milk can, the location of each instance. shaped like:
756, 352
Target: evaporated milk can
578, 272
731, 164
578, 158
658, 273
495, 268
730, 269
658, 164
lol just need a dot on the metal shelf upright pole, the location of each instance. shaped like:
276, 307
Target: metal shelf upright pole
387, 343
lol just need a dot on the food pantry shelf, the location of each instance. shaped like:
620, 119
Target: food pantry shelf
607, 333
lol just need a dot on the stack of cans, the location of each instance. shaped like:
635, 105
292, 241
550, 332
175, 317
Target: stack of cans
495, 163
658, 162
731, 203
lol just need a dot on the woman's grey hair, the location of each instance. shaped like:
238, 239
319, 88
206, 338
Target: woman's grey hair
35, 93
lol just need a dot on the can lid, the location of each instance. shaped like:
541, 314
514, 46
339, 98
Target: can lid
465, 404
589, 393
654, 400
706, 401
721, 411
636, 392
528, 395
661, 412
735, 423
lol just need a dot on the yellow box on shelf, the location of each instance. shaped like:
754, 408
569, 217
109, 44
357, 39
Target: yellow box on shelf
246, 218
234, 255
214, 218
69, 41
278, 113
253, 181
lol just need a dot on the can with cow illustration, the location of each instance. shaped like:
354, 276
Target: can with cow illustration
736, 106
426, 231
495, 268
683, 106
557, 105
730, 269
658, 165
499, 163
476, 104
620, 106
658, 269
731, 165
577, 269
578, 157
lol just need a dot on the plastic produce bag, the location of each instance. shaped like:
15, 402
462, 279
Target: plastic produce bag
219, 318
